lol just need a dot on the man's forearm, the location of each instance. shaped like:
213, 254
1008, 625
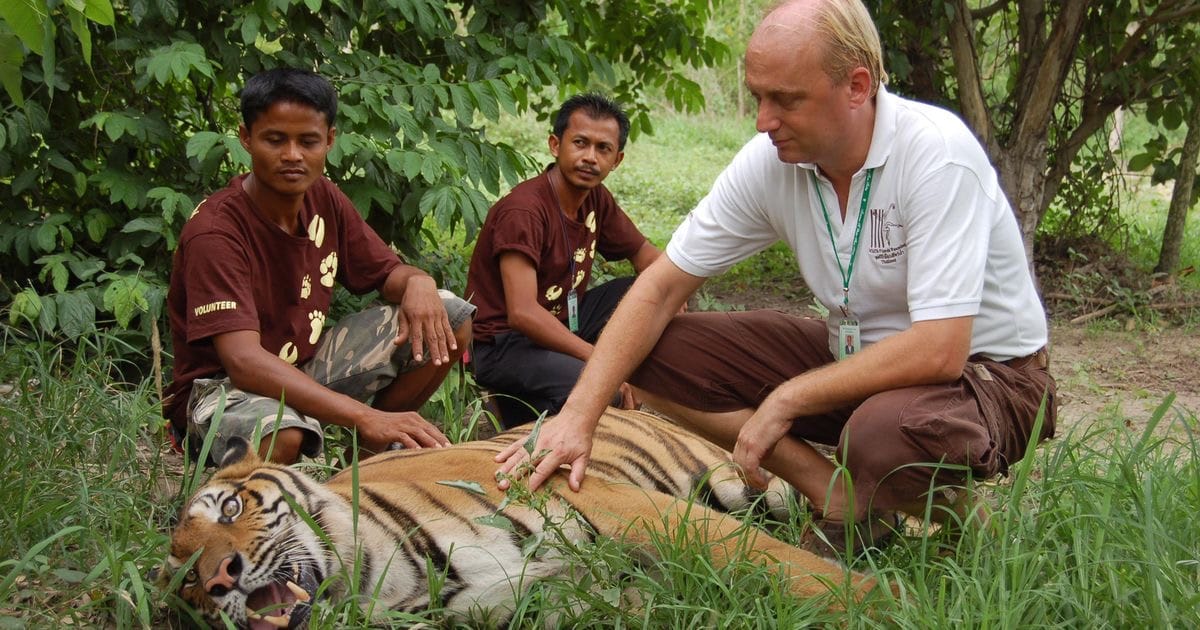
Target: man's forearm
396, 284
270, 376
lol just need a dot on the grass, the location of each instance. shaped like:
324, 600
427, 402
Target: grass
1094, 528
1098, 531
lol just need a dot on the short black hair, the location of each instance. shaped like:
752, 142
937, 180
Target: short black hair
292, 85
596, 106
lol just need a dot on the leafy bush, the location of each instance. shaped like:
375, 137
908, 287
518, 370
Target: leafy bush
119, 119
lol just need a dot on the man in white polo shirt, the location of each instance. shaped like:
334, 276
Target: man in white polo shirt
932, 361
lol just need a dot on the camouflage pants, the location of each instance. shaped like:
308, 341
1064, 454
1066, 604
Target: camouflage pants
356, 358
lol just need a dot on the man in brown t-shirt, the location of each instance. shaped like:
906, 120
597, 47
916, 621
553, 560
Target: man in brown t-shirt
532, 263
251, 287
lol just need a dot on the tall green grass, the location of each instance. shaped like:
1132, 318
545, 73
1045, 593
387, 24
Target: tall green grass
1097, 528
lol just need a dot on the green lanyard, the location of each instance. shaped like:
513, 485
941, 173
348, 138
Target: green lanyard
862, 212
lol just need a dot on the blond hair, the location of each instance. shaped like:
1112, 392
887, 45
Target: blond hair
850, 37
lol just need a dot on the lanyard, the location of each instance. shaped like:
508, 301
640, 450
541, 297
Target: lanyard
862, 212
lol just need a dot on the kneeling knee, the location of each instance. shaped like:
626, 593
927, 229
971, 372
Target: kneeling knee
282, 447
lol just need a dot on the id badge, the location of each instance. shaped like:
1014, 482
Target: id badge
849, 341
572, 311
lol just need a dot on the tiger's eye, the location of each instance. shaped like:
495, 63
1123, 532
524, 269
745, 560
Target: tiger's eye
191, 577
231, 507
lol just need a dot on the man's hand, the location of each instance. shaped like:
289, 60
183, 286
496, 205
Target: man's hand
567, 443
423, 319
755, 442
377, 430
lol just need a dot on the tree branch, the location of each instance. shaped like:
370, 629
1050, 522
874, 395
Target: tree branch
1047, 75
970, 86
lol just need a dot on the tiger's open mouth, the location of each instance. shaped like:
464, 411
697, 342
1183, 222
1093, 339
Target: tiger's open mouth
282, 604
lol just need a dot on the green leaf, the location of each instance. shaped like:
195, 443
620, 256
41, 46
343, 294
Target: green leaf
76, 314
125, 297
48, 317
470, 486
80, 28
144, 224
1141, 161
25, 18
496, 520
12, 55
177, 61
100, 12
26, 305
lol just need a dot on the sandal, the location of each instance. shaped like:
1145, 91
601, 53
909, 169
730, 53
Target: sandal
828, 538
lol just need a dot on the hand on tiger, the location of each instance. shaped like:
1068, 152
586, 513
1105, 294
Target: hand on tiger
755, 442
565, 442
423, 319
378, 430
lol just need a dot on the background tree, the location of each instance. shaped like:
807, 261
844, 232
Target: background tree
115, 129
1038, 81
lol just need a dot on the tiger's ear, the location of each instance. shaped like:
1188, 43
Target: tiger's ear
237, 450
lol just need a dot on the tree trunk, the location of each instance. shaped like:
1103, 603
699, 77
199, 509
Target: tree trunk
1181, 197
1022, 172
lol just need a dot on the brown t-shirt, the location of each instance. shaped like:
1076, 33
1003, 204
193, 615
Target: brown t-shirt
528, 220
234, 270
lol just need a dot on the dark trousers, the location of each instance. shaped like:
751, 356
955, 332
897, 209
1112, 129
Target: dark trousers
528, 379
896, 445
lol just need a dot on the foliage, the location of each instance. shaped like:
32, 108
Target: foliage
116, 127
1038, 82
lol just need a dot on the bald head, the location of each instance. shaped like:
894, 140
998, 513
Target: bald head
840, 31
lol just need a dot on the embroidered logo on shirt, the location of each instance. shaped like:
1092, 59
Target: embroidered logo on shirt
223, 305
329, 269
887, 236
316, 231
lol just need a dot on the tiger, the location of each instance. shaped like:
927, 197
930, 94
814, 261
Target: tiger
267, 538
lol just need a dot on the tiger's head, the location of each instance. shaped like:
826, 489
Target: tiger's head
257, 561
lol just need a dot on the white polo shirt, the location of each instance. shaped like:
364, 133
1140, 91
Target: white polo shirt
939, 238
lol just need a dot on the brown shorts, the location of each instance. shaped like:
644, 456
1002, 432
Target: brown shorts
896, 445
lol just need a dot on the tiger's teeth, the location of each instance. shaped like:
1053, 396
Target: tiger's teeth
301, 594
281, 621
253, 614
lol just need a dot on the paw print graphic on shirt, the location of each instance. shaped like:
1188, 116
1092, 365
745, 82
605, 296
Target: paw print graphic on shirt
306, 287
289, 353
590, 222
316, 231
578, 278
316, 319
329, 269
592, 253
580, 254
553, 293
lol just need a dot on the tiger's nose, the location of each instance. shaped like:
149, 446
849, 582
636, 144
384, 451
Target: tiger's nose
226, 577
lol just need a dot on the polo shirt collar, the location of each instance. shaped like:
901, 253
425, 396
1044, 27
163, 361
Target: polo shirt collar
884, 134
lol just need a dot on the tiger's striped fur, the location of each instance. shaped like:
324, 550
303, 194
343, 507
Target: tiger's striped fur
252, 541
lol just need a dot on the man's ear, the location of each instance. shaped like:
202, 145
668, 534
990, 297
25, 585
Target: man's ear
860, 86
552, 142
244, 136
